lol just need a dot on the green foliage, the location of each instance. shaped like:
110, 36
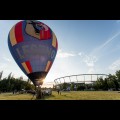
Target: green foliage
9, 84
111, 82
118, 75
64, 85
72, 86
81, 86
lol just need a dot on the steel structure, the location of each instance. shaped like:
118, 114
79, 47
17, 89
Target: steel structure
80, 78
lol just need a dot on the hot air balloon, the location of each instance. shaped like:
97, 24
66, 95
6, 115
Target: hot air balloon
33, 46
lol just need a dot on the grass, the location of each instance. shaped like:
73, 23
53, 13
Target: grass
79, 95
86, 95
10, 96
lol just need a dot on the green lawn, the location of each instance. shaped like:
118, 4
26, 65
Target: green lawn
80, 95
86, 95
10, 96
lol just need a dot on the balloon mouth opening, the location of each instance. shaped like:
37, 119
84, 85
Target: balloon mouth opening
37, 77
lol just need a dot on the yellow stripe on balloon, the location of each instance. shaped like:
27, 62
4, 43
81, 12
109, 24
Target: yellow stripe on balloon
54, 41
47, 66
25, 67
12, 36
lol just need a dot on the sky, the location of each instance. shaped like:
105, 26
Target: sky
84, 47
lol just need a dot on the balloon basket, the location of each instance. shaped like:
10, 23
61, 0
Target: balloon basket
38, 93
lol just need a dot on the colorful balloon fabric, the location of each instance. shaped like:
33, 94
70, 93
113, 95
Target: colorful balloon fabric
33, 46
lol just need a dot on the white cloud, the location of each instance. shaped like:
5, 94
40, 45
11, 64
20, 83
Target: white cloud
62, 54
6, 59
115, 65
81, 54
88, 59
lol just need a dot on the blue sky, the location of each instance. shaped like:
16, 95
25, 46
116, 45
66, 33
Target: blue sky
85, 46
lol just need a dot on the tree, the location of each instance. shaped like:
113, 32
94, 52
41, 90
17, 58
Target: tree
105, 85
1, 73
113, 81
11, 84
117, 73
80, 86
64, 86
111, 84
72, 86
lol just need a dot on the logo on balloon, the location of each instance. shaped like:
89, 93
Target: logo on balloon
38, 30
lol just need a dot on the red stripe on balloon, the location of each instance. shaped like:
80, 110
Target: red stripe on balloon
48, 34
44, 35
18, 32
41, 34
29, 66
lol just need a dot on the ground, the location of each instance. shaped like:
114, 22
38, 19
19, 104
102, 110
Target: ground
73, 95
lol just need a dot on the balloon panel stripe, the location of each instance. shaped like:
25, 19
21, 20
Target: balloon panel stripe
48, 34
45, 35
25, 67
12, 36
29, 66
41, 34
47, 66
48, 63
54, 41
18, 32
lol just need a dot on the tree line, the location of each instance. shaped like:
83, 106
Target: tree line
11, 84
112, 82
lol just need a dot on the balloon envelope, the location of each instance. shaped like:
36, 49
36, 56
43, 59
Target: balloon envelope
33, 46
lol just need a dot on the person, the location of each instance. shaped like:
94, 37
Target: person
58, 90
13, 91
75, 88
